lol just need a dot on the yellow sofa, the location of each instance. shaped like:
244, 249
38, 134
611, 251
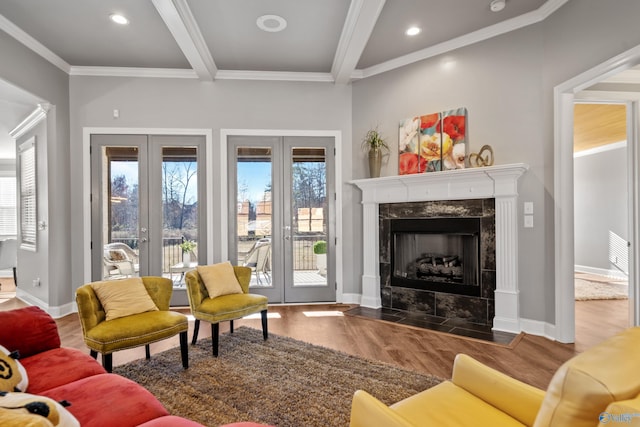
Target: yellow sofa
600, 387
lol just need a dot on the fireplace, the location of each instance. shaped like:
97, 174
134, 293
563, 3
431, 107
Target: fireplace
494, 186
437, 258
436, 254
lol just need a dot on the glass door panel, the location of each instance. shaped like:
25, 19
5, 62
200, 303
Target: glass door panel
118, 228
179, 211
254, 213
307, 213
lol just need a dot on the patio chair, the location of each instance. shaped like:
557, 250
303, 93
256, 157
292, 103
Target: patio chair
259, 259
120, 261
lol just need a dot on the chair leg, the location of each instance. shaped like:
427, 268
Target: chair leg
93, 354
107, 362
215, 331
147, 351
265, 332
196, 328
184, 349
231, 325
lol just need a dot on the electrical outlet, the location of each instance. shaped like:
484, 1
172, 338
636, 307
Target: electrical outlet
528, 221
36, 283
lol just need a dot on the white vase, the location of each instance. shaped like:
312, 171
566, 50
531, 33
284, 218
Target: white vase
186, 259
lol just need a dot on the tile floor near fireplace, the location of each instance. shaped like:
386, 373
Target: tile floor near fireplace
441, 324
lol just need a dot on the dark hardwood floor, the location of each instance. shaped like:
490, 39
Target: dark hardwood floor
529, 358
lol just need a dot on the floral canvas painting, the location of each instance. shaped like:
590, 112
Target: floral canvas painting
432, 142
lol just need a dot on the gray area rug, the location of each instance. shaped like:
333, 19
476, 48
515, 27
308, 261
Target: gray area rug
589, 287
280, 382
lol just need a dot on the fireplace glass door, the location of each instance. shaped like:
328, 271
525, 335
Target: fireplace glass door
437, 254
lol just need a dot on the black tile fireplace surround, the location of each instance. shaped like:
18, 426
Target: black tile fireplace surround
469, 302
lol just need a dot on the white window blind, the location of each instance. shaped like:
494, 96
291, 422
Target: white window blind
27, 158
8, 216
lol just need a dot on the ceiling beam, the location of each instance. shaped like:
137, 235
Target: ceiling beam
182, 25
14, 31
360, 21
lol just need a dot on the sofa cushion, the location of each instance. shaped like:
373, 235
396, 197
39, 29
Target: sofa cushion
29, 410
32, 331
447, 405
123, 297
219, 279
13, 376
585, 385
171, 421
98, 400
59, 366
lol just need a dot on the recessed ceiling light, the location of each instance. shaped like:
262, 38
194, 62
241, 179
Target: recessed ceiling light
119, 19
413, 31
497, 5
271, 23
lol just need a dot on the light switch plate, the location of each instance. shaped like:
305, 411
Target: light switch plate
528, 208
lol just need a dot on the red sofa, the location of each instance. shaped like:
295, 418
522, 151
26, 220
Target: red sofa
98, 399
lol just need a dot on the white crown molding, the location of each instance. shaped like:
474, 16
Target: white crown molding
359, 24
32, 120
169, 73
174, 73
274, 75
503, 27
180, 21
14, 31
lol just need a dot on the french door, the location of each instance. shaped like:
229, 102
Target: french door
282, 215
147, 197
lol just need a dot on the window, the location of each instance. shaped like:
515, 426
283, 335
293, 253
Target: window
28, 219
8, 216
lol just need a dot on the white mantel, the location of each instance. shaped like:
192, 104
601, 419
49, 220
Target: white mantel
499, 182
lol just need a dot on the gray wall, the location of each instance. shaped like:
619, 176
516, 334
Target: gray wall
600, 200
52, 263
181, 103
507, 85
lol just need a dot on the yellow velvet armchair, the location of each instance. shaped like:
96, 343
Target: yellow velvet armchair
595, 388
223, 308
107, 336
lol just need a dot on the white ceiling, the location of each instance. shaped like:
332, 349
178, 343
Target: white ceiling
325, 40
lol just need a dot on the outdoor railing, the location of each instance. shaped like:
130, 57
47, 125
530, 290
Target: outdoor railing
303, 256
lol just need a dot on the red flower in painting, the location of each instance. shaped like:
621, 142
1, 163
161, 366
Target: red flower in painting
429, 120
410, 163
454, 126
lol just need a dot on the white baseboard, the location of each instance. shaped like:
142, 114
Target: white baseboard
614, 274
539, 328
54, 311
351, 298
